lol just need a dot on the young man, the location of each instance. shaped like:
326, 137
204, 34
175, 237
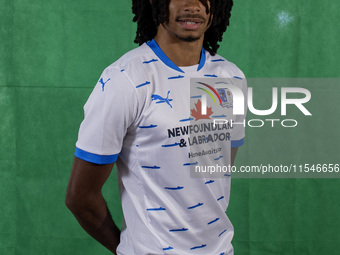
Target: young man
137, 116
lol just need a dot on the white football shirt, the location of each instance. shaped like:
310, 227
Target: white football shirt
145, 115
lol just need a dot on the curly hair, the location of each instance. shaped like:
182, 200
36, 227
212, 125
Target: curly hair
149, 16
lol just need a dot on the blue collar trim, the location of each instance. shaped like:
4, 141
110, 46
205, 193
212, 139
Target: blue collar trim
202, 60
158, 51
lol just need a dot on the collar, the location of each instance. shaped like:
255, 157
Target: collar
158, 51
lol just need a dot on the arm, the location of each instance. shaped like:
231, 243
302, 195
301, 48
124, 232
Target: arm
233, 155
84, 199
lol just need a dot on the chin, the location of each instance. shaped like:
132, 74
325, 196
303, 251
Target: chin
188, 38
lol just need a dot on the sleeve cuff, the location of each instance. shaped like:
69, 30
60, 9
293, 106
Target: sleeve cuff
237, 143
95, 158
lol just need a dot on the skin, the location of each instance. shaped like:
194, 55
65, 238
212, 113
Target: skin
173, 37
85, 200
182, 43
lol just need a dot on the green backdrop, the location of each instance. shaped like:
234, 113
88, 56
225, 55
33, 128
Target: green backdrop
51, 56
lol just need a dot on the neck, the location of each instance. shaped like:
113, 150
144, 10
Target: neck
180, 52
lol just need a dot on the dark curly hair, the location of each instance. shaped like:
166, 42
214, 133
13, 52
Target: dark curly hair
150, 16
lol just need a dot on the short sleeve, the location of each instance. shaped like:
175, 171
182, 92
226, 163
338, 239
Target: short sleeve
108, 113
238, 131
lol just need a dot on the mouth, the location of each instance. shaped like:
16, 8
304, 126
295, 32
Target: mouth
190, 23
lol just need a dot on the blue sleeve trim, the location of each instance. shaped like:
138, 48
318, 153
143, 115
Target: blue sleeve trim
237, 143
95, 158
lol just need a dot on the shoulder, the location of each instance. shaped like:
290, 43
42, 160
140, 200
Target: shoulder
132, 66
135, 58
224, 65
121, 80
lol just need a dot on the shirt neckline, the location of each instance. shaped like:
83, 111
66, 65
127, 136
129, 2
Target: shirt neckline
164, 58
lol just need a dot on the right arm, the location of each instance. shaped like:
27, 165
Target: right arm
109, 111
85, 200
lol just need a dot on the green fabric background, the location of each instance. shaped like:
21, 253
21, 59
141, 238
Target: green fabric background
51, 56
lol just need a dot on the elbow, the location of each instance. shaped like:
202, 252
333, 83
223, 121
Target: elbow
80, 204
85, 209
76, 208
69, 201
72, 202
74, 199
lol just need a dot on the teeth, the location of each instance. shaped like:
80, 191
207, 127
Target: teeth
190, 22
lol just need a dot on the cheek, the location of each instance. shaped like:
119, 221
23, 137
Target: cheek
206, 4
171, 12
172, 8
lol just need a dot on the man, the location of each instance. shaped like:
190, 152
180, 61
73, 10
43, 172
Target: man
137, 116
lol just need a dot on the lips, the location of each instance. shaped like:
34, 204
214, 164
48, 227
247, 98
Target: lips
190, 23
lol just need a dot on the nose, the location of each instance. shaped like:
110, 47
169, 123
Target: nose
192, 5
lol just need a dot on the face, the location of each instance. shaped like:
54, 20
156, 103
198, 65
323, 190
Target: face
188, 19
